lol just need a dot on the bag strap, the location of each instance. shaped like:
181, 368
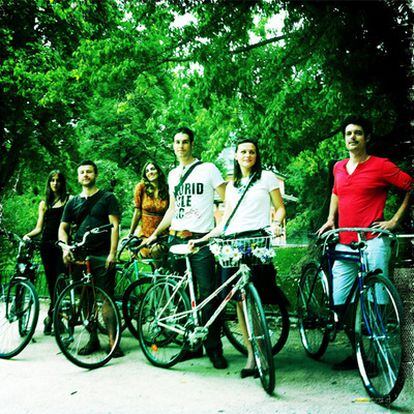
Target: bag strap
184, 177
87, 208
226, 225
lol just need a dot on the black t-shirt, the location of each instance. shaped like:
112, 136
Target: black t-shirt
107, 204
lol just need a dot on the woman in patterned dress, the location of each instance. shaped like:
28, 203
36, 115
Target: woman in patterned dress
150, 204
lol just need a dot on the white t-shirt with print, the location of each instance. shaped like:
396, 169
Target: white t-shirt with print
194, 204
254, 211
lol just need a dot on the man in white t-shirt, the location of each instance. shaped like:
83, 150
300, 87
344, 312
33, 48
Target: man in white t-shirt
189, 216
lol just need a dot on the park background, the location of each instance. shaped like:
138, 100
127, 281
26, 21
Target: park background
111, 80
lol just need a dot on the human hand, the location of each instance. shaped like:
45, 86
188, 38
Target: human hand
384, 225
26, 237
67, 254
276, 228
329, 225
110, 261
192, 244
151, 239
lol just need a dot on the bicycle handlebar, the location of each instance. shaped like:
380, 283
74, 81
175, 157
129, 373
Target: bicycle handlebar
333, 232
96, 230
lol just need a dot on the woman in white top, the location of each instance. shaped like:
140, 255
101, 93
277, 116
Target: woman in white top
252, 214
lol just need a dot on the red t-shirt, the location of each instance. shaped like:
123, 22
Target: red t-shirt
362, 194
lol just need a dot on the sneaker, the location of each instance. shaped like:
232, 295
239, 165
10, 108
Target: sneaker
218, 360
349, 363
47, 330
91, 347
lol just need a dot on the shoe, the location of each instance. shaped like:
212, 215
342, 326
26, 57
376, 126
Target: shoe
218, 360
249, 372
118, 353
198, 353
349, 363
47, 330
91, 347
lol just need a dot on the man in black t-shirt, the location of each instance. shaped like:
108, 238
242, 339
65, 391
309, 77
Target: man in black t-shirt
94, 208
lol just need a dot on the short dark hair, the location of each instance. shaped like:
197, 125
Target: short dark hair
357, 120
88, 162
186, 131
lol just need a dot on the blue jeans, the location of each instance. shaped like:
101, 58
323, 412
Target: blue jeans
344, 272
206, 281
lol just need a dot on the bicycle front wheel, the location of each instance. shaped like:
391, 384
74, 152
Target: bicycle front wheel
277, 319
258, 333
313, 310
160, 325
378, 339
87, 325
19, 313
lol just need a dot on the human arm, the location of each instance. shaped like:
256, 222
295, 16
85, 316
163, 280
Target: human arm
221, 191
111, 259
135, 220
63, 236
333, 211
280, 211
40, 219
393, 222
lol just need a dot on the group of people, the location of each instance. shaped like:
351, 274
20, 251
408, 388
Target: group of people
183, 207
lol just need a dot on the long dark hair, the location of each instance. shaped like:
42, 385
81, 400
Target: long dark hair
162, 182
62, 193
257, 167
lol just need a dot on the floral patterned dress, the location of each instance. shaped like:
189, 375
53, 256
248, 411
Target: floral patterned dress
152, 209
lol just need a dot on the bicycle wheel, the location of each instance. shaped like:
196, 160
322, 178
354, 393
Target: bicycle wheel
277, 319
313, 310
19, 313
79, 313
378, 339
160, 329
258, 333
62, 282
131, 301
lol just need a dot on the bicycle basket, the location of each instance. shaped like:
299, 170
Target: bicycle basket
249, 250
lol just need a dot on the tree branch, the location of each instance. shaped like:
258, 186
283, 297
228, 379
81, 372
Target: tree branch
256, 45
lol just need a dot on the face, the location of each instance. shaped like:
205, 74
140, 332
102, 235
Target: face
55, 183
182, 146
246, 155
86, 176
151, 172
355, 138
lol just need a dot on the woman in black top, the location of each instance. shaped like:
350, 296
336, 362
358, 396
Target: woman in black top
50, 213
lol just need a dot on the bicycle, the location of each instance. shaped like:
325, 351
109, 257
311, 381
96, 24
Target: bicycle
19, 302
84, 312
169, 321
377, 315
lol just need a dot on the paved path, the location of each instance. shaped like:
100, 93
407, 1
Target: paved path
40, 380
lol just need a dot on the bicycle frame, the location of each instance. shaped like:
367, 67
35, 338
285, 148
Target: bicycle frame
243, 275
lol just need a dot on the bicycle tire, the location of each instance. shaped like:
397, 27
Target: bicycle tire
313, 310
277, 318
77, 318
378, 339
130, 303
258, 333
161, 345
19, 313
61, 283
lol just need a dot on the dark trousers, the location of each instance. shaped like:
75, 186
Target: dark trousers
53, 265
206, 281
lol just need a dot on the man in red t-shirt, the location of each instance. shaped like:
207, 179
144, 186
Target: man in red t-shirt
358, 198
